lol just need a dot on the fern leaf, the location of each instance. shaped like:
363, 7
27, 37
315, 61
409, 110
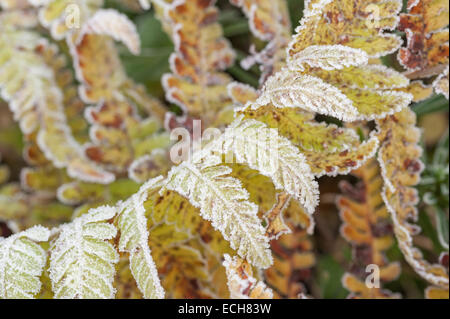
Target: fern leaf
241, 283
426, 51
329, 150
132, 225
223, 201
290, 89
101, 80
115, 120
196, 83
109, 22
349, 23
365, 226
293, 89
22, 261
356, 91
262, 149
328, 57
399, 160
81, 258
36, 100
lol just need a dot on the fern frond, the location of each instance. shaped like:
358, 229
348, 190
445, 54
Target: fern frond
197, 83
110, 23
290, 89
119, 136
223, 201
307, 85
30, 86
262, 149
426, 50
349, 23
82, 259
22, 261
241, 283
328, 57
400, 165
317, 93
132, 225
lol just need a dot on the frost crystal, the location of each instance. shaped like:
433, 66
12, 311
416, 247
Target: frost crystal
81, 258
327, 57
21, 263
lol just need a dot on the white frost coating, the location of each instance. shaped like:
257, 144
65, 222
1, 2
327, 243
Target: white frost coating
238, 286
223, 201
327, 57
441, 85
132, 225
145, 4
82, 261
273, 155
111, 23
290, 89
21, 263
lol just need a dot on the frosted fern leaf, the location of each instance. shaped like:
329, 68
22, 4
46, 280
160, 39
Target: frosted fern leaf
81, 258
22, 261
291, 89
116, 25
132, 225
223, 201
263, 149
327, 57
